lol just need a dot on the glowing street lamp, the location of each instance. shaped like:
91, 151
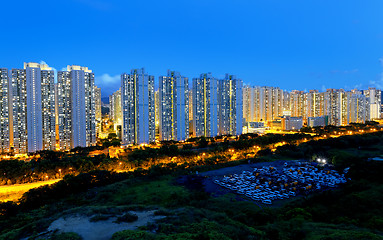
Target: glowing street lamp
323, 161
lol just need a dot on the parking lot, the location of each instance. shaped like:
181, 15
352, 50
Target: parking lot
268, 182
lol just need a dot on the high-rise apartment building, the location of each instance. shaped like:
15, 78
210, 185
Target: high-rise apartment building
157, 113
57, 117
337, 106
191, 114
269, 103
115, 112
374, 97
298, 104
138, 110
358, 108
18, 111
32, 108
205, 106
98, 114
77, 114
230, 106
47, 106
263, 104
40, 107
173, 107
345, 116
248, 96
286, 103
332, 106
190, 105
277, 100
315, 104
4, 111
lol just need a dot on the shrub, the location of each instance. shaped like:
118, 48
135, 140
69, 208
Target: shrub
127, 217
99, 217
66, 236
132, 235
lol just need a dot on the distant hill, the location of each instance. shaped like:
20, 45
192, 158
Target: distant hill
105, 110
105, 100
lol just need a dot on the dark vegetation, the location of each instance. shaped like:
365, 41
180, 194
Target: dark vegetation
353, 211
127, 217
111, 141
53, 165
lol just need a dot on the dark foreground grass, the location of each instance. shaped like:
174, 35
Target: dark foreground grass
192, 214
354, 211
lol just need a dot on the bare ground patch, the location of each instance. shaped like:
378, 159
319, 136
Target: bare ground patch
101, 230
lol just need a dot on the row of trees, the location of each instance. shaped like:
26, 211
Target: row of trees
330, 129
53, 165
101, 163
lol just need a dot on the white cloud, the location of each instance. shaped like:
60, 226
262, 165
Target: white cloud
324, 88
43, 62
108, 84
359, 86
106, 79
352, 71
54, 69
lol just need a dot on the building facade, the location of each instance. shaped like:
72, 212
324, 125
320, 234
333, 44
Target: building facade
317, 121
374, 97
248, 98
77, 113
4, 111
115, 109
138, 110
173, 107
205, 106
32, 108
230, 106
359, 111
18, 111
98, 114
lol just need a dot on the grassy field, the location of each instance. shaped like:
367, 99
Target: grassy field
190, 214
353, 211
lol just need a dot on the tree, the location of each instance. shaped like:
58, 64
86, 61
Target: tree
202, 142
112, 136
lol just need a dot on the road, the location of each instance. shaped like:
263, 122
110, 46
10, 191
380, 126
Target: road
14, 192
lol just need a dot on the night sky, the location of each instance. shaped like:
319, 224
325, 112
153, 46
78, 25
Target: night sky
296, 44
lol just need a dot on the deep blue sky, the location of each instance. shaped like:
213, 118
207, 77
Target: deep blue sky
296, 44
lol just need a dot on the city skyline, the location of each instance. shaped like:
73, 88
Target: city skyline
201, 119
37, 115
291, 45
108, 90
